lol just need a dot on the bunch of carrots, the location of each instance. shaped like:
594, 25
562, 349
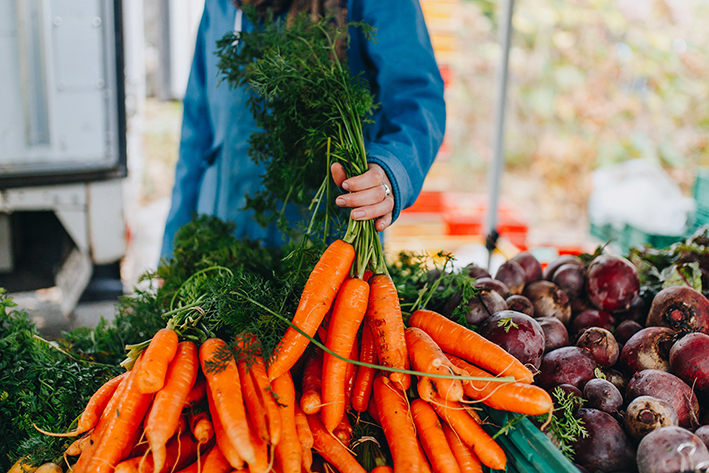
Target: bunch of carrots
221, 407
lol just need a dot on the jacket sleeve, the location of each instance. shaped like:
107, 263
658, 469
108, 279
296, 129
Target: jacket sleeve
411, 117
195, 142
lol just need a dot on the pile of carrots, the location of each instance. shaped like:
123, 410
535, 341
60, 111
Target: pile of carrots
222, 407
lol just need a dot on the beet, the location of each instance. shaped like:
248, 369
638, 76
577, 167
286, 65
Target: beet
590, 318
703, 433
601, 394
521, 304
560, 261
475, 271
646, 413
625, 330
517, 333
601, 344
548, 300
689, 359
494, 285
671, 449
512, 274
566, 365
606, 448
478, 308
612, 283
637, 311
619, 380
649, 348
681, 308
571, 278
664, 385
531, 265
555, 333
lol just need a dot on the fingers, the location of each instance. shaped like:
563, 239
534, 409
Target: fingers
368, 196
338, 174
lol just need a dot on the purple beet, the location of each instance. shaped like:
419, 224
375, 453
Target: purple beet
606, 448
618, 379
555, 333
601, 344
560, 261
612, 283
512, 274
689, 359
494, 285
680, 308
567, 389
590, 318
671, 449
636, 312
646, 413
571, 278
521, 304
566, 365
649, 348
602, 395
703, 433
517, 333
475, 271
548, 300
626, 329
531, 265
669, 387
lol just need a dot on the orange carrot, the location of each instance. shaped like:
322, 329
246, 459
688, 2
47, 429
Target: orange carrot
211, 462
180, 451
289, 451
387, 327
223, 383
311, 399
156, 359
470, 433
467, 460
261, 464
78, 446
255, 409
225, 445
343, 430
164, 416
320, 290
121, 425
425, 388
351, 373
362, 388
432, 438
398, 427
372, 409
382, 469
97, 403
201, 427
427, 357
514, 397
252, 370
198, 391
331, 449
305, 436
459, 341
347, 315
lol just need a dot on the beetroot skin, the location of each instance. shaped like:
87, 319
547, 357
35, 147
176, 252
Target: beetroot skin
680, 308
689, 359
649, 348
671, 449
607, 447
669, 387
519, 334
566, 365
548, 300
612, 283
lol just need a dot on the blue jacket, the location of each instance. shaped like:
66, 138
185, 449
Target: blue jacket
214, 172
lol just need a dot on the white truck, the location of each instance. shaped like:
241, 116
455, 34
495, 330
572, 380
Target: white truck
62, 147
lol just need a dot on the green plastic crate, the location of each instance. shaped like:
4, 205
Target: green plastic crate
630, 237
528, 450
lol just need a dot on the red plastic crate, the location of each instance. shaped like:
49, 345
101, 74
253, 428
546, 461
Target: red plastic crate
428, 202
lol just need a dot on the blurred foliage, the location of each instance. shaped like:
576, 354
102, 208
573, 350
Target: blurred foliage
592, 82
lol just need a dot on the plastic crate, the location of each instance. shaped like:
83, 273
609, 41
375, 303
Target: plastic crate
630, 237
528, 450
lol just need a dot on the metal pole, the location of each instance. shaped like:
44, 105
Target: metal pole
498, 161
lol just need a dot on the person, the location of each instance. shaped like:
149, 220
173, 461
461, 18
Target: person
214, 173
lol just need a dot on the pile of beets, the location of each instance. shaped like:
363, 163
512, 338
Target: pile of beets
641, 367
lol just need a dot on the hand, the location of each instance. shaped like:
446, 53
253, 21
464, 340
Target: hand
367, 196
